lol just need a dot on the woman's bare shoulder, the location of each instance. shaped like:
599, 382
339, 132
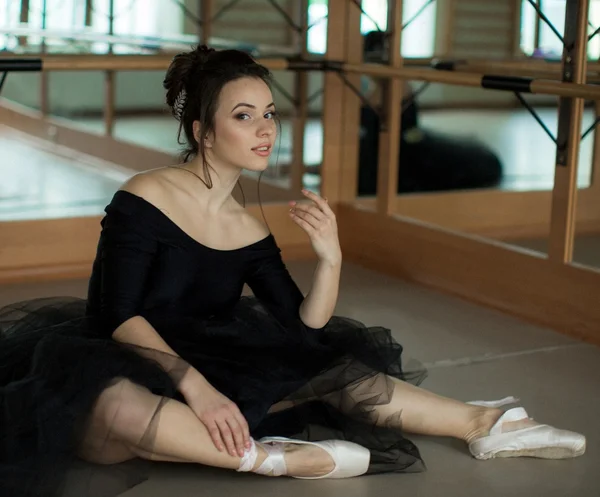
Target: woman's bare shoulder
150, 185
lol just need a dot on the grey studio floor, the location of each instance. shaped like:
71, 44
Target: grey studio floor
473, 353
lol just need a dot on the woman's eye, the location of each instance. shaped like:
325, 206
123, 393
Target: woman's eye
271, 114
243, 116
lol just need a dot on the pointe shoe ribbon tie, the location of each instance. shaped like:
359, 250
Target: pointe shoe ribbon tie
494, 403
349, 459
540, 440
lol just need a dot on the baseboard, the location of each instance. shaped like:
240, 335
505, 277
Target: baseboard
82, 270
512, 280
37, 274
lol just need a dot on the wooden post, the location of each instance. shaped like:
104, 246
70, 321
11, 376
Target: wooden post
109, 102
300, 107
595, 169
564, 197
538, 25
88, 12
44, 76
449, 25
352, 105
333, 102
595, 172
389, 136
206, 13
24, 18
109, 79
517, 16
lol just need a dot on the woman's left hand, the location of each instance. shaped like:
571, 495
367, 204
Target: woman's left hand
319, 222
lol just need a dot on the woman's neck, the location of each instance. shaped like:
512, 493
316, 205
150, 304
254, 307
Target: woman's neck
223, 179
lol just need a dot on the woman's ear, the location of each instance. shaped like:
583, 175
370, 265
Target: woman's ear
198, 135
196, 129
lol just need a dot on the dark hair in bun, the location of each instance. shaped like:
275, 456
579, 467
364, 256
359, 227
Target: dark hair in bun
194, 82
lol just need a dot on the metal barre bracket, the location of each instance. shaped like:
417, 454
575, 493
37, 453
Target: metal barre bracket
507, 83
490, 81
444, 65
299, 64
20, 65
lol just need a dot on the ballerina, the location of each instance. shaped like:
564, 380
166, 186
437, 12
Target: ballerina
166, 360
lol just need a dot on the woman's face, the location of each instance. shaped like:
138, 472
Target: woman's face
245, 127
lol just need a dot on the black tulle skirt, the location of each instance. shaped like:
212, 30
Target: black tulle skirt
54, 366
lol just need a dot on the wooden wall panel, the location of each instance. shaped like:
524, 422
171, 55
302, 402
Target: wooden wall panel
481, 28
253, 21
65, 248
495, 213
521, 283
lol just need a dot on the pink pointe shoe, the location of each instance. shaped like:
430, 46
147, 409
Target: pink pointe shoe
541, 441
350, 459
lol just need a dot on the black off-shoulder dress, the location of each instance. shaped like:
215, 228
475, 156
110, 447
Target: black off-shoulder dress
57, 354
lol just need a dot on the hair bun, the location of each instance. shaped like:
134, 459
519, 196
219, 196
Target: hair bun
183, 68
202, 54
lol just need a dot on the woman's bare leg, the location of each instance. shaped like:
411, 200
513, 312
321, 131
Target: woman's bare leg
415, 410
117, 432
412, 409
419, 411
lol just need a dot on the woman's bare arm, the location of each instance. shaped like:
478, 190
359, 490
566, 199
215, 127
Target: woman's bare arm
139, 332
319, 222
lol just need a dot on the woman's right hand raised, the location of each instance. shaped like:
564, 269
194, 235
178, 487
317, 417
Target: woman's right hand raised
226, 424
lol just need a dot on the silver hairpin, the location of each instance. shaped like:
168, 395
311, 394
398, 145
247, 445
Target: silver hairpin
179, 104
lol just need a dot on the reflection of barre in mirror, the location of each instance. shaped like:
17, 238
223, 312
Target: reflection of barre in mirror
166, 361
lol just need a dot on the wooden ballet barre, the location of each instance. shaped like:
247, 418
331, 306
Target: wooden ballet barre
105, 63
89, 62
504, 64
274, 64
161, 62
509, 64
514, 67
533, 69
491, 82
20, 64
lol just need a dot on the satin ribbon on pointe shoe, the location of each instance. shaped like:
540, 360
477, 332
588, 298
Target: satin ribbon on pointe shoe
349, 459
494, 403
540, 441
